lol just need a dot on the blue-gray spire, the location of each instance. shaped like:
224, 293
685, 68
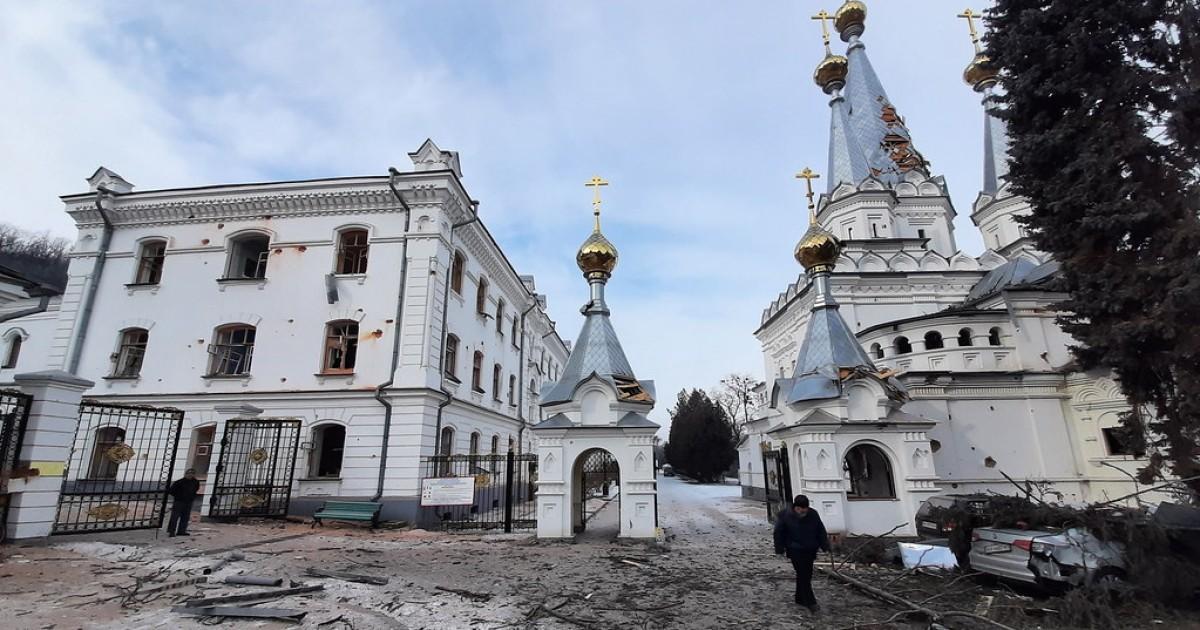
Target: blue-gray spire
847, 164
995, 148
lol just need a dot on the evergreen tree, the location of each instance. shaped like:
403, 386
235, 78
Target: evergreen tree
702, 442
1101, 101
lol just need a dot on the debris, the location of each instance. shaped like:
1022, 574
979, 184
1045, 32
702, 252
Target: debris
465, 594
210, 552
285, 614
985, 605
254, 580
232, 556
632, 563
258, 598
349, 577
173, 585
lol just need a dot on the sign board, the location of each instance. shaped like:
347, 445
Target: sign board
448, 491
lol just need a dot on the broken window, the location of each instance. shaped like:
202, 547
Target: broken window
231, 352
870, 473
329, 443
497, 373
456, 272
352, 252
477, 372
933, 340
1117, 441
450, 359
150, 262
341, 347
105, 457
127, 362
902, 345
248, 257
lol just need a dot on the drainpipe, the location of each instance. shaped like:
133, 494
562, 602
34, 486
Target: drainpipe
397, 331
93, 286
521, 378
437, 430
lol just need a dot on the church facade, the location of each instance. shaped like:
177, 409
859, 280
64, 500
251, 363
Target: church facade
958, 374
377, 310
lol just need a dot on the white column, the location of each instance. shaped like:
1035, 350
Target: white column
227, 411
53, 418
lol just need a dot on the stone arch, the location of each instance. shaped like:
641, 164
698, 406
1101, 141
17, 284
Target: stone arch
595, 478
870, 469
903, 262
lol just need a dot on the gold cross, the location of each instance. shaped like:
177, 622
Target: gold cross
595, 183
970, 17
808, 175
824, 16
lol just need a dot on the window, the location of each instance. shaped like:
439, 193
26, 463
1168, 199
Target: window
447, 447
512, 389
248, 257
456, 272
477, 372
127, 362
902, 345
481, 296
495, 444
516, 334
341, 347
1117, 441
870, 473
352, 251
474, 443
500, 316
105, 461
450, 360
877, 351
497, 373
230, 354
201, 452
994, 337
875, 230
150, 262
14, 351
933, 340
849, 233
329, 443
921, 234
532, 389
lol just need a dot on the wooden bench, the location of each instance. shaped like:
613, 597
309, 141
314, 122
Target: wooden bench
348, 511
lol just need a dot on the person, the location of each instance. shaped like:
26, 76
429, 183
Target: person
184, 492
799, 533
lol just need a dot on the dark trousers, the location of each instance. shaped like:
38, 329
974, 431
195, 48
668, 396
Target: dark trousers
181, 511
802, 562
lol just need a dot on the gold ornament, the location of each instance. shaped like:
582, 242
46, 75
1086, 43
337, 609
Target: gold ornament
597, 255
831, 72
850, 19
250, 501
108, 512
119, 453
483, 479
259, 455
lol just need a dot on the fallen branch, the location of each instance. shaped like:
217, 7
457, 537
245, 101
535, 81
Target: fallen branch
864, 543
258, 598
913, 607
348, 577
465, 594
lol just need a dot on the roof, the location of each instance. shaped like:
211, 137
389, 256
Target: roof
828, 347
557, 421
597, 352
1014, 273
634, 420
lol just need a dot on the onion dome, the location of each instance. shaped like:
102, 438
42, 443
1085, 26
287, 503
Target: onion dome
850, 19
818, 249
831, 72
980, 74
597, 254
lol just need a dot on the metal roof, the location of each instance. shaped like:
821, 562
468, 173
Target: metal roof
596, 351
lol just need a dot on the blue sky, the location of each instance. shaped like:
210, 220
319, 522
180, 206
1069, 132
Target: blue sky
698, 113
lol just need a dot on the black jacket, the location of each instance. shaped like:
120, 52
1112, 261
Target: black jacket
185, 489
794, 533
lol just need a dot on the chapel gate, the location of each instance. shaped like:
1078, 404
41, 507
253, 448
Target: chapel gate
256, 468
596, 475
503, 496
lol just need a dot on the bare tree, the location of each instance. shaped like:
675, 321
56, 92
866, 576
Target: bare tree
37, 256
737, 395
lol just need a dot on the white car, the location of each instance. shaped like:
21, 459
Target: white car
1075, 557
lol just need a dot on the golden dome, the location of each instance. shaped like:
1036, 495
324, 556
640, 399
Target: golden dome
818, 249
850, 19
596, 255
980, 73
831, 72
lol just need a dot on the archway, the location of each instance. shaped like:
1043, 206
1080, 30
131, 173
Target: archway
596, 505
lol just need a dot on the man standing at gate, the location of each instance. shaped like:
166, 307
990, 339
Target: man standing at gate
184, 492
799, 533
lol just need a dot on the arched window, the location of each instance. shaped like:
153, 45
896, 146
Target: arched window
341, 347
477, 372
474, 450
447, 446
495, 444
352, 251
500, 316
248, 255
130, 352
902, 345
231, 351
450, 358
532, 388
14, 350
329, 444
964, 338
457, 268
150, 262
497, 374
481, 296
512, 389
994, 337
877, 351
870, 473
106, 456
516, 334
933, 340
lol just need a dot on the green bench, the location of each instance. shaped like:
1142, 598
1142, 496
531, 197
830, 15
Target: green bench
348, 511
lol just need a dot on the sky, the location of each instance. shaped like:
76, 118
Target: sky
697, 113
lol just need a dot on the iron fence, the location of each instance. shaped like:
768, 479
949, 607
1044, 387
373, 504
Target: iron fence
504, 493
14, 416
778, 481
256, 468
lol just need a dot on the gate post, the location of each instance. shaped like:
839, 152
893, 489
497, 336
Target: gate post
49, 437
508, 491
227, 411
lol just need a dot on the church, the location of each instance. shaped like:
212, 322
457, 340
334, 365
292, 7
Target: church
899, 367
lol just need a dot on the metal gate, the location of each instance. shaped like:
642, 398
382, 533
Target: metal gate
598, 474
778, 482
504, 493
119, 469
254, 473
14, 415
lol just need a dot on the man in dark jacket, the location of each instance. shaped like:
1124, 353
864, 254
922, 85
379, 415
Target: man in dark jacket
184, 492
799, 533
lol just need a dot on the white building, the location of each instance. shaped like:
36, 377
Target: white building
971, 340
378, 310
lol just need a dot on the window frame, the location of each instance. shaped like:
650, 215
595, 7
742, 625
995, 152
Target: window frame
968, 337
149, 269
12, 354
512, 390
855, 495
450, 357
126, 348
234, 254
349, 350
500, 316
907, 344
458, 269
995, 336
497, 378
318, 440
224, 336
936, 337
477, 372
352, 259
481, 295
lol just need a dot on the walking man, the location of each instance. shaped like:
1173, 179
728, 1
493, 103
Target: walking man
184, 492
799, 533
